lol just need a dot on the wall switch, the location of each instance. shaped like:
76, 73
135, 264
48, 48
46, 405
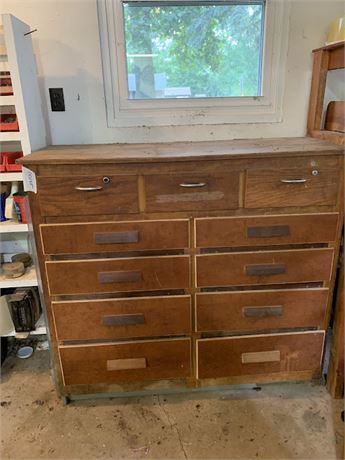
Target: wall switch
57, 101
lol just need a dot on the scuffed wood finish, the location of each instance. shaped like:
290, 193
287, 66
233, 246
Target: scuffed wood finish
176, 151
148, 294
82, 238
165, 359
83, 277
301, 266
157, 316
261, 310
274, 230
222, 357
59, 196
335, 375
267, 189
186, 192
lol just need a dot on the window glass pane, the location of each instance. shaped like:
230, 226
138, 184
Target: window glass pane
193, 48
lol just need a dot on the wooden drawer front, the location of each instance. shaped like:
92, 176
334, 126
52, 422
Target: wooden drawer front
114, 236
265, 230
118, 275
260, 354
271, 267
288, 187
259, 310
117, 318
83, 195
192, 192
126, 362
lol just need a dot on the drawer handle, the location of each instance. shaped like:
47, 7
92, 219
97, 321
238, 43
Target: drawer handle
263, 312
116, 237
261, 357
123, 364
123, 320
265, 269
89, 189
268, 232
293, 181
193, 184
119, 277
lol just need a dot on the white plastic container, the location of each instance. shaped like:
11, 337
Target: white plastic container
6, 323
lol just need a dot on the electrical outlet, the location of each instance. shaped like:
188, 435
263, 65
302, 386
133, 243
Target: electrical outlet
57, 101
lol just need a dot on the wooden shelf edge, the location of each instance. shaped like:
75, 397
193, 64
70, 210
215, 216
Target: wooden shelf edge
331, 136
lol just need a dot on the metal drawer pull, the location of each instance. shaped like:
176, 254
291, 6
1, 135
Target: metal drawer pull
293, 181
123, 320
119, 277
261, 357
116, 237
89, 189
267, 232
263, 312
193, 184
124, 364
265, 269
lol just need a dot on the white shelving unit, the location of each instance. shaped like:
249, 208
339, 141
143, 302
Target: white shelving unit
17, 57
40, 329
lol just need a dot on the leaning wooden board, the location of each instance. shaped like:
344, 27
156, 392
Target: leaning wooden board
187, 264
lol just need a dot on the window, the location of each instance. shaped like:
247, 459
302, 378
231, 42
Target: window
193, 62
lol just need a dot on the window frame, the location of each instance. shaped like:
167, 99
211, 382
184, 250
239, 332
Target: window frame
125, 112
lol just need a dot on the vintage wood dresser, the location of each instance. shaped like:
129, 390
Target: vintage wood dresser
185, 265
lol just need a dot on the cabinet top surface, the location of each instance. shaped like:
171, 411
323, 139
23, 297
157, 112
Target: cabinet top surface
178, 151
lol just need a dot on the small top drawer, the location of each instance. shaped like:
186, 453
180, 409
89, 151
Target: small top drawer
192, 192
289, 186
83, 195
114, 236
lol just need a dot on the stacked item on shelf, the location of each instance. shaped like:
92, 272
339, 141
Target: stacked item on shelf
22, 130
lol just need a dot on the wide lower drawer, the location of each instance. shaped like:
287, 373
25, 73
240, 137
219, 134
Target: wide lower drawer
260, 354
267, 267
260, 310
126, 362
117, 275
122, 318
114, 236
87, 195
192, 192
265, 230
315, 184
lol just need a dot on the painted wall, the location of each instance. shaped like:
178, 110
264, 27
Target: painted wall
68, 55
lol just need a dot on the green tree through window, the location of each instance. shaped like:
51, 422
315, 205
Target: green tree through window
193, 48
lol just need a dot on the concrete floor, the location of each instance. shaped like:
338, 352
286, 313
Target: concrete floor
279, 422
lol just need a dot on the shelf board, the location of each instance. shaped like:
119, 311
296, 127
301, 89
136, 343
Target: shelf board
10, 136
7, 100
27, 280
11, 176
40, 329
13, 226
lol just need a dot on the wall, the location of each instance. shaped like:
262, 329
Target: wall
68, 56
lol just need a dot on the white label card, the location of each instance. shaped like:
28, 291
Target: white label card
29, 180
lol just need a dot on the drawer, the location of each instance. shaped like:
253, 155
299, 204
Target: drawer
265, 230
122, 318
259, 354
290, 186
192, 192
267, 267
126, 362
117, 275
114, 236
260, 310
83, 195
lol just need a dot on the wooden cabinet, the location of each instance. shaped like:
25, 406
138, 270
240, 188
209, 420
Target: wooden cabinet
185, 265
